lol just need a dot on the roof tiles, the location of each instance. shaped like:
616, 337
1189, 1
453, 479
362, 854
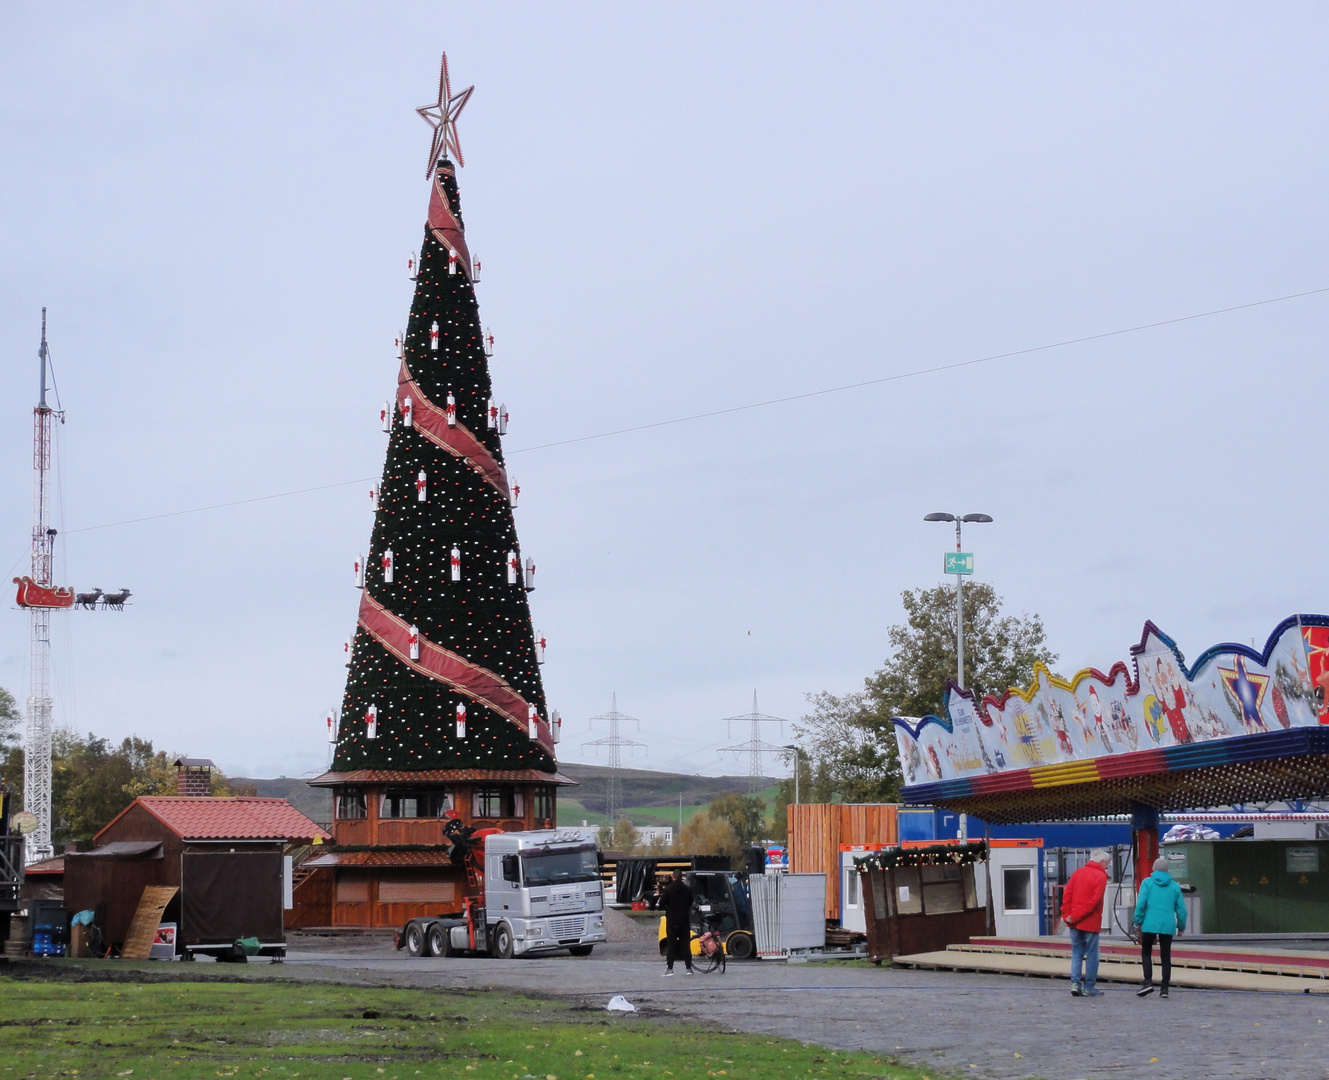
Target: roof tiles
244, 818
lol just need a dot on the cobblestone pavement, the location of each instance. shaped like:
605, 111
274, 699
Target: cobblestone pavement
957, 1024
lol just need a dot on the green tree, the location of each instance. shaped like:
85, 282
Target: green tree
725, 826
92, 781
11, 720
623, 837
745, 814
850, 738
705, 835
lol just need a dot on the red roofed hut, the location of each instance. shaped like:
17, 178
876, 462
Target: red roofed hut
230, 859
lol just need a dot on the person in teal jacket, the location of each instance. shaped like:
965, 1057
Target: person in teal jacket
1160, 913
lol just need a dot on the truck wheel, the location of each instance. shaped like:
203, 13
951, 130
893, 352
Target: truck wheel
739, 945
415, 940
503, 944
439, 941
580, 950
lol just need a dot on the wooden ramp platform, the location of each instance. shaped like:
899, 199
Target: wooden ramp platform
1213, 967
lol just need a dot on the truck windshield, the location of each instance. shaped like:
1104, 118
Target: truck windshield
553, 867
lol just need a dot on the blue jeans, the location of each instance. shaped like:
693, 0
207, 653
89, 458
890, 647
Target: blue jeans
1084, 950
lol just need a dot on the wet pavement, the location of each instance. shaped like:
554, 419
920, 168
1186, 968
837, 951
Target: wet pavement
957, 1024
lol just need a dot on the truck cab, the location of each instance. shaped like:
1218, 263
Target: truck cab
540, 893
545, 887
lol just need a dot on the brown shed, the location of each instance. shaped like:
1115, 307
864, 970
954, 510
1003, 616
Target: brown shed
225, 855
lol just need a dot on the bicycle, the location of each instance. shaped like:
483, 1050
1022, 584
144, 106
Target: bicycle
710, 950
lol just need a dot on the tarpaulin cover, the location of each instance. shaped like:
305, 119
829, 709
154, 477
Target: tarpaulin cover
230, 895
633, 879
123, 849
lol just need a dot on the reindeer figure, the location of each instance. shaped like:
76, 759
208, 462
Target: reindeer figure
115, 600
87, 600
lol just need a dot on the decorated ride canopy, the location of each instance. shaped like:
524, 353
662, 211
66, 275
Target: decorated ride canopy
1237, 726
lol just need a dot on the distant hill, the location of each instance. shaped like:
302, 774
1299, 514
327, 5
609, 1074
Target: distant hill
314, 803
648, 798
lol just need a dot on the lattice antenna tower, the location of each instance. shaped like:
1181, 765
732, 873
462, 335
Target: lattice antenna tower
754, 747
614, 743
37, 749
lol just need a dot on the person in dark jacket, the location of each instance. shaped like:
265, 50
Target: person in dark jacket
1159, 913
1082, 912
677, 903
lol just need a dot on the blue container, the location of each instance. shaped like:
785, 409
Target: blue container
928, 823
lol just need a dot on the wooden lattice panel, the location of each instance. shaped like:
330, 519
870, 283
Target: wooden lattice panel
143, 930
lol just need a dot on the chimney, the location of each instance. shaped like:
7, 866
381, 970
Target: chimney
193, 776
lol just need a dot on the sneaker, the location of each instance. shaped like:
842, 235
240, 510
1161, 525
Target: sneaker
689, 972
1075, 989
1093, 991
1145, 990
1163, 992
667, 973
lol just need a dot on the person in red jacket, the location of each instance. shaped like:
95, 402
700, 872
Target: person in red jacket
1082, 911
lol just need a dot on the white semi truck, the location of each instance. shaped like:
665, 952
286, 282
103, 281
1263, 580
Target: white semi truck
534, 892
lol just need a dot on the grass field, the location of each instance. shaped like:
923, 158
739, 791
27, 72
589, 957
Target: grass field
572, 812
279, 1031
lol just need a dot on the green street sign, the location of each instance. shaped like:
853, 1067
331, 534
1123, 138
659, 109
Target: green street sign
959, 562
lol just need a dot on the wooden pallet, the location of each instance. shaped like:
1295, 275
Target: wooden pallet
143, 930
1057, 967
1306, 965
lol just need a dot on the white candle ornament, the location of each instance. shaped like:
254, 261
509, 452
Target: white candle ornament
413, 643
514, 567
371, 722
530, 575
461, 721
359, 571
387, 567
450, 410
454, 563
433, 337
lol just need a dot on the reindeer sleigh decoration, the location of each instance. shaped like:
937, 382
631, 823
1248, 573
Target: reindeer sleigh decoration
115, 601
33, 595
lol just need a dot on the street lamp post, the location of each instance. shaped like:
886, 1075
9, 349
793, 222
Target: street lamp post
959, 585
794, 751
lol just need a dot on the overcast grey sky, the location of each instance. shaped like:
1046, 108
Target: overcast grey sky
679, 208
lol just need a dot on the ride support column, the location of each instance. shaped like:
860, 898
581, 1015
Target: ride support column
1144, 837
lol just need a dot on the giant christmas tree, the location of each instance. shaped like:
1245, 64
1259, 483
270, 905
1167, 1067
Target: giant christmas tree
443, 666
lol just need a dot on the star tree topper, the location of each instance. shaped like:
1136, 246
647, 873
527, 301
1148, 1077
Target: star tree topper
442, 117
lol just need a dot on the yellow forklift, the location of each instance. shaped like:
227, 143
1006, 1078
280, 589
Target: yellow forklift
721, 901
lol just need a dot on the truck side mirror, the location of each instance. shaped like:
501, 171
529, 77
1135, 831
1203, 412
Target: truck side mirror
511, 870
